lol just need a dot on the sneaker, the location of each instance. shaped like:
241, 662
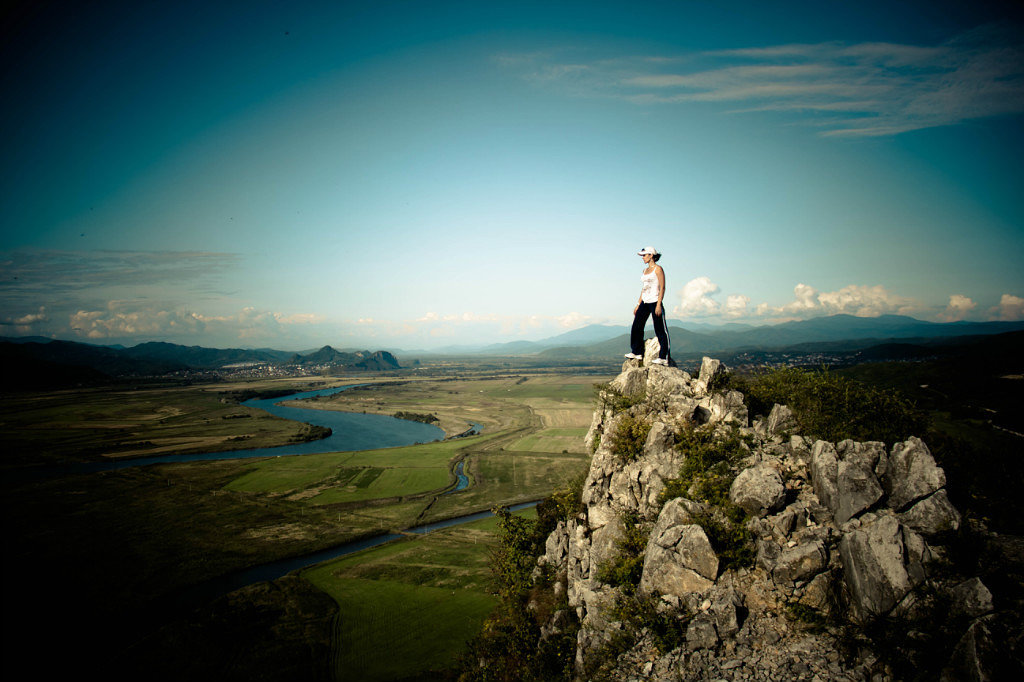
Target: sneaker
634, 356
660, 361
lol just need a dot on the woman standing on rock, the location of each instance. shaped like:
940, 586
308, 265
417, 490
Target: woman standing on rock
652, 291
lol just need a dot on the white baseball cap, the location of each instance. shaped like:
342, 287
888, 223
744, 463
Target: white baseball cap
647, 249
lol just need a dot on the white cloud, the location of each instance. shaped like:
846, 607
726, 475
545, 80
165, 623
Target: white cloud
735, 306
1010, 308
128, 321
25, 324
696, 299
959, 307
853, 90
855, 299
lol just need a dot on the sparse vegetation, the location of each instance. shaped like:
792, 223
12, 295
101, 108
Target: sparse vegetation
712, 460
628, 438
425, 418
832, 407
625, 568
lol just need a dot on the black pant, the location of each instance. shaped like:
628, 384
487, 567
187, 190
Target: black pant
636, 337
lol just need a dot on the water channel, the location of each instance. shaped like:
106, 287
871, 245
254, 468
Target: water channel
349, 431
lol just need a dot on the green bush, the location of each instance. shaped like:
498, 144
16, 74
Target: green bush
628, 438
625, 568
709, 466
563, 504
833, 407
666, 627
707, 474
509, 649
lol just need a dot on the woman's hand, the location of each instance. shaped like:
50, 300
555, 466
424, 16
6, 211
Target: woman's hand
636, 308
657, 309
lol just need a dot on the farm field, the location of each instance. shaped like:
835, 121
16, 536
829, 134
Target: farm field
124, 542
420, 600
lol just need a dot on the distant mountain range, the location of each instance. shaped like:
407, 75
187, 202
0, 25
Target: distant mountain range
37, 362
595, 341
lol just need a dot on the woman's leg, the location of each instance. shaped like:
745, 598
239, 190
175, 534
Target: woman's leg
636, 335
661, 330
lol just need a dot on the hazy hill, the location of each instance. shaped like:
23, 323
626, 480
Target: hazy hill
202, 358
364, 359
844, 331
55, 364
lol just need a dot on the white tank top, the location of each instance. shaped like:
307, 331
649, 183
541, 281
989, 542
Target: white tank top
649, 286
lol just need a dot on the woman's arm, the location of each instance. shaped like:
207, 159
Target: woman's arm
661, 290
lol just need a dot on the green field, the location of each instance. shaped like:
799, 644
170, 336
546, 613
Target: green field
356, 476
120, 544
553, 440
409, 607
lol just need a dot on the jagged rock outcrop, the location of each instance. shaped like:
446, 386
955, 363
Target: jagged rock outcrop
852, 531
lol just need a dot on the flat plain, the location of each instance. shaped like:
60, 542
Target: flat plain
125, 543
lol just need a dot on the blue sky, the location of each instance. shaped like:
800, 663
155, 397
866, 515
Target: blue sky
417, 174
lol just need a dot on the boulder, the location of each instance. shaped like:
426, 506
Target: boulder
709, 369
932, 516
758, 490
780, 421
725, 609
973, 655
857, 489
802, 562
911, 474
825, 474
870, 454
652, 349
971, 598
665, 381
631, 382
700, 633
873, 566
678, 560
819, 592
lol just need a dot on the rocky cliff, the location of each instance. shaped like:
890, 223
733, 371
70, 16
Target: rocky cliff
780, 557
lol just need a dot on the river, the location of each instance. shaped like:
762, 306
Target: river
349, 431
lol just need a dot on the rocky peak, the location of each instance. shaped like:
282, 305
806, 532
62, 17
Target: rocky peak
842, 534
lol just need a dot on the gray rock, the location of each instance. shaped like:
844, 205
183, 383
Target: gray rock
603, 543
911, 474
857, 488
631, 382
758, 490
932, 516
725, 611
873, 566
972, 658
556, 547
768, 553
801, 562
700, 633
971, 598
781, 421
679, 558
783, 523
709, 369
652, 348
870, 454
818, 593
825, 474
